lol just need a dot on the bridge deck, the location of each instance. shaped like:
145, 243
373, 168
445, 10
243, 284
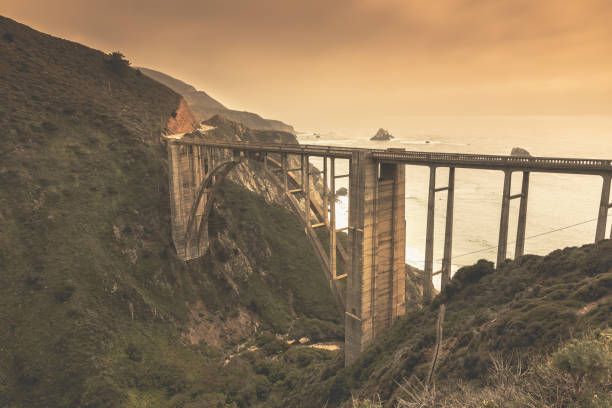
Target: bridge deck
459, 160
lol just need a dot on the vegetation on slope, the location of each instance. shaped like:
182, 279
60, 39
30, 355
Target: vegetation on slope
527, 309
95, 308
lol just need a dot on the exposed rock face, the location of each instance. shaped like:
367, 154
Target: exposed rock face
250, 175
209, 327
382, 135
182, 120
519, 151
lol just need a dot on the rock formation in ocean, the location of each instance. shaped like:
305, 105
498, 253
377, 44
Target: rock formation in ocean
382, 135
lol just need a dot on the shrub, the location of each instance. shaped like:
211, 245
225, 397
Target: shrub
63, 294
8, 37
587, 362
133, 353
117, 63
49, 127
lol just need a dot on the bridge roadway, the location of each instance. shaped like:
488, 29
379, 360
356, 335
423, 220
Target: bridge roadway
374, 260
457, 160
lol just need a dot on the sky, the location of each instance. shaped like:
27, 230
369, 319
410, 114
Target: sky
325, 64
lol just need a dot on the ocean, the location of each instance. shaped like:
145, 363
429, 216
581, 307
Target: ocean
557, 202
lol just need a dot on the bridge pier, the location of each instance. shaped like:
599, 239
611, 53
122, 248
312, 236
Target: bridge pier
604, 207
185, 176
448, 233
377, 227
430, 237
502, 247
332, 218
519, 249
306, 187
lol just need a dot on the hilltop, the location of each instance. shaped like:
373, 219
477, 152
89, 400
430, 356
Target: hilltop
205, 107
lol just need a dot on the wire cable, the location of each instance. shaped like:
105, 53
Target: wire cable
513, 242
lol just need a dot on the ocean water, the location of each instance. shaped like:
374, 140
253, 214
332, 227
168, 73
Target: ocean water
556, 201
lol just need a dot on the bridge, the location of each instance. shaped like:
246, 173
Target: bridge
373, 261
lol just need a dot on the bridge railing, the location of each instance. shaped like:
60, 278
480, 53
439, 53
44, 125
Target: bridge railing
415, 157
510, 161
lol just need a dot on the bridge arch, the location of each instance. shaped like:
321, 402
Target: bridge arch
195, 237
200, 211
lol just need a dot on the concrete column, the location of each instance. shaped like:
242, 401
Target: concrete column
602, 219
522, 220
376, 273
448, 233
358, 328
325, 192
505, 216
377, 270
429, 239
284, 169
183, 170
332, 218
306, 184
178, 229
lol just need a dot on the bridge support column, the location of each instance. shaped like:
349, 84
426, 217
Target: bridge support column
184, 174
377, 265
306, 187
604, 206
429, 237
502, 248
325, 193
284, 170
448, 233
332, 218
522, 220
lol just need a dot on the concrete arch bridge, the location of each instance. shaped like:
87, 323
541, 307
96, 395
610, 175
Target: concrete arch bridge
373, 261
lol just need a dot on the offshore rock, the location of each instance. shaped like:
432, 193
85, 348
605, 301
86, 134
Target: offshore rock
382, 135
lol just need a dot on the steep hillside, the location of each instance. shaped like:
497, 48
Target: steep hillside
200, 101
95, 308
205, 107
497, 321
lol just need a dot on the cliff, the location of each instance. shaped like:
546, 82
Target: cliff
205, 107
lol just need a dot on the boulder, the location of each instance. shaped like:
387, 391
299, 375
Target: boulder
519, 151
342, 191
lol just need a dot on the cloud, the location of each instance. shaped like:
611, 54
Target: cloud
262, 54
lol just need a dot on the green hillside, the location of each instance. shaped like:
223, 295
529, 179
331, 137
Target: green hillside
95, 308
517, 315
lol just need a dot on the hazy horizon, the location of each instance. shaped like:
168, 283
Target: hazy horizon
358, 64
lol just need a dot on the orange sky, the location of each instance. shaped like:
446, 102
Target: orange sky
338, 63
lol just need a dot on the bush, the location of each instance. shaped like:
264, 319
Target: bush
587, 362
117, 63
49, 127
63, 294
133, 353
